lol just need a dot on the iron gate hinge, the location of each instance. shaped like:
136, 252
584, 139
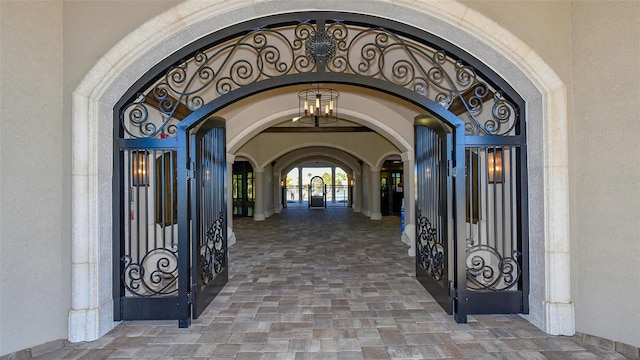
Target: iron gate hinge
451, 169
190, 298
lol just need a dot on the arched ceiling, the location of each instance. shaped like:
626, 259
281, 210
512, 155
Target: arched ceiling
323, 155
387, 115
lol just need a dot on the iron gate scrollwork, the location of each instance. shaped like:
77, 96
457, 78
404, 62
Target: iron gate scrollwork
313, 47
430, 251
488, 269
154, 275
330, 46
496, 258
212, 252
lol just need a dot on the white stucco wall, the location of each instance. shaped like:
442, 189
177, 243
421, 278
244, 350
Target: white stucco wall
46, 49
35, 261
605, 168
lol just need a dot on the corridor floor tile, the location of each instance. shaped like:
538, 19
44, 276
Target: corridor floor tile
327, 284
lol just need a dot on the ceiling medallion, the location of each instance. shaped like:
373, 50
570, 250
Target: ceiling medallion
321, 46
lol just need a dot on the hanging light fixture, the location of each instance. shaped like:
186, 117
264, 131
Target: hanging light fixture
317, 106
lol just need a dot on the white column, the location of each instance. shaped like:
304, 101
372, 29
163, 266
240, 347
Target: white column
258, 211
350, 190
333, 184
409, 233
357, 192
277, 193
376, 214
231, 236
300, 184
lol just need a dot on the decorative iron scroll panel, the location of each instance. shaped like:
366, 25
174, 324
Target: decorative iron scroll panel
432, 253
337, 47
492, 231
146, 270
149, 256
210, 241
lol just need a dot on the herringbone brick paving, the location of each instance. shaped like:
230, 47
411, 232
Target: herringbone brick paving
327, 284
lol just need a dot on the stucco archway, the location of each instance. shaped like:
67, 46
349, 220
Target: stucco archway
91, 315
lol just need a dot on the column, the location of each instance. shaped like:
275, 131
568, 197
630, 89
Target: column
333, 184
300, 185
278, 194
350, 190
231, 236
376, 214
258, 211
357, 191
409, 233
285, 192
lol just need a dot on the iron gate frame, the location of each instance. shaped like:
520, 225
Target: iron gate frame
202, 293
442, 293
319, 74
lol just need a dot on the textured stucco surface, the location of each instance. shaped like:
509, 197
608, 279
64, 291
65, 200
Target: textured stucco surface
606, 169
34, 259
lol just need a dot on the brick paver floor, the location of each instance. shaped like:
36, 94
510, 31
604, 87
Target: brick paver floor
327, 284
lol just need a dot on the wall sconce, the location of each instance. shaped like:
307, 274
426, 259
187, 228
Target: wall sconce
139, 168
282, 185
494, 160
352, 182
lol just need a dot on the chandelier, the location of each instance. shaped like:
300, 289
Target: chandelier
317, 106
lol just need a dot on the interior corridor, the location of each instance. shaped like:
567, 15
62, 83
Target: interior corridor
327, 284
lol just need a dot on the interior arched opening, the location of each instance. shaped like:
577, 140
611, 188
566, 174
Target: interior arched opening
296, 179
373, 125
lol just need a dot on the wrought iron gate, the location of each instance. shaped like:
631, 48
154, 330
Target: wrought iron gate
161, 274
472, 232
434, 259
471, 226
209, 272
146, 282
495, 230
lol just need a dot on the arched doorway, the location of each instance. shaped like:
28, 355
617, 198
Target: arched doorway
392, 186
340, 168
166, 107
90, 315
317, 193
243, 189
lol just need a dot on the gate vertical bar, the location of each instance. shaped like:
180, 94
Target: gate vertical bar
522, 187
184, 261
460, 240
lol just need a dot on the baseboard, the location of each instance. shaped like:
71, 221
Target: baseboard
36, 350
630, 351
